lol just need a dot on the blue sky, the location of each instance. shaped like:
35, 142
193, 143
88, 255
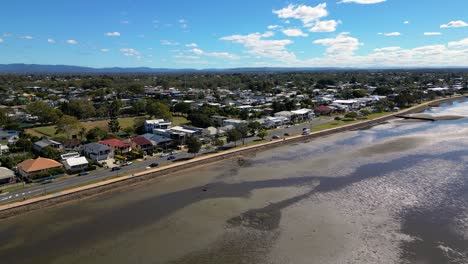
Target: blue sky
226, 34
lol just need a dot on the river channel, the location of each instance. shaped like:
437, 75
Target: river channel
393, 193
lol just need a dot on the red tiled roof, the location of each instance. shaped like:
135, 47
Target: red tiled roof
140, 141
114, 143
322, 108
38, 164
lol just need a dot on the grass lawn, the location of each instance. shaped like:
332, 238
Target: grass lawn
49, 131
339, 123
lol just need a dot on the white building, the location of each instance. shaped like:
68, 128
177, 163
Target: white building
4, 149
76, 164
151, 125
233, 122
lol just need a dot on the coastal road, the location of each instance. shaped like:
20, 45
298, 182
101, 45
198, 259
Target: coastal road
74, 181
138, 166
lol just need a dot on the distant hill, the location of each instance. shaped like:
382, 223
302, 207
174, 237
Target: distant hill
20, 68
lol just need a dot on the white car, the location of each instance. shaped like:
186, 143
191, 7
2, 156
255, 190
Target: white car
164, 155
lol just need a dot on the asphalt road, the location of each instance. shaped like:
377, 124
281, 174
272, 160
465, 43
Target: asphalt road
137, 166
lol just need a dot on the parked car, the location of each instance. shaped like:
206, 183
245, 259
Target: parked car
287, 134
47, 181
127, 163
275, 137
152, 165
164, 155
171, 158
84, 173
116, 168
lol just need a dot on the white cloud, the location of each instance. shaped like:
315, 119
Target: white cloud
113, 34
1, 40
390, 34
294, 32
104, 50
406, 22
49, 40
461, 43
432, 33
387, 49
7, 35
190, 57
363, 2
325, 26
224, 55
125, 22
268, 34
454, 24
191, 45
306, 14
263, 48
273, 27
169, 43
341, 45
26, 37
71, 42
129, 52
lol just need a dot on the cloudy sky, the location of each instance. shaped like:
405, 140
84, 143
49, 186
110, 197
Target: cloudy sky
226, 34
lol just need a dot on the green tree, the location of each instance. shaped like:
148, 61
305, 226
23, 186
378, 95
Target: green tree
44, 112
262, 134
200, 120
96, 134
194, 145
244, 131
81, 109
158, 110
136, 88
233, 135
254, 127
3, 117
50, 153
182, 107
68, 125
217, 142
114, 125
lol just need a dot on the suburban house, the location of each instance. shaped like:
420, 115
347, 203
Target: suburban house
303, 114
4, 149
118, 146
97, 152
30, 167
286, 114
39, 145
72, 144
150, 125
233, 122
323, 110
218, 120
76, 164
157, 140
7, 176
141, 144
9, 136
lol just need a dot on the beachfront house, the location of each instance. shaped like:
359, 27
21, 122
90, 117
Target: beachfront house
31, 167
97, 152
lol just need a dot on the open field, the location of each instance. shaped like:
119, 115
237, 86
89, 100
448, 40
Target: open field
338, 123
49, 131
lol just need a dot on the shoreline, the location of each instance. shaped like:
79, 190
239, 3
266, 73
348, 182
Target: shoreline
90, 190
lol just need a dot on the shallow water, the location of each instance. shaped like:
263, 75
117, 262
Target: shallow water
394, 193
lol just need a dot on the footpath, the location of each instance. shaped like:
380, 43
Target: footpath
82, 192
